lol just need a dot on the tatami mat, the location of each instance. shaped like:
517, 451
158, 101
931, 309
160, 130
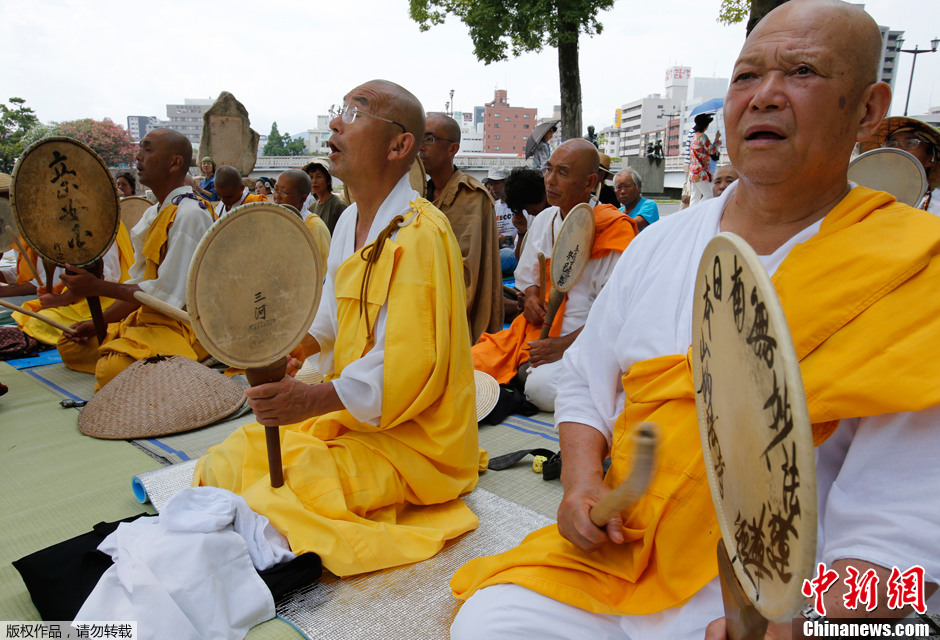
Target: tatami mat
59, 483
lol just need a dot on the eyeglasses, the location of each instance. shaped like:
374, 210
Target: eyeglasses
283, 194
908, 144
430, 138
348, 113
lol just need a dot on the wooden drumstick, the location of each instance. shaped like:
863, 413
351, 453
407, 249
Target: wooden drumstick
272, 435
22, 250
161, 306
621, 498
94, 306
555, 299
33, 314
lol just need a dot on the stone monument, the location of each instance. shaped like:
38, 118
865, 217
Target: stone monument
227, 136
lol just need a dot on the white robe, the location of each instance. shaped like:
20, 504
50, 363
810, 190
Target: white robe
189, 225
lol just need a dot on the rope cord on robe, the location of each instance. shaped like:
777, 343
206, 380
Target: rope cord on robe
371, 255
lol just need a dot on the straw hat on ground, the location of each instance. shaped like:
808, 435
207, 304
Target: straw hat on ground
487, 393
159, 396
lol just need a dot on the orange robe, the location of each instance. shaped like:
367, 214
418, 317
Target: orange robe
501, 354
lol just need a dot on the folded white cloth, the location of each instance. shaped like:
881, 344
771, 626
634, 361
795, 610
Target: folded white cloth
189, 572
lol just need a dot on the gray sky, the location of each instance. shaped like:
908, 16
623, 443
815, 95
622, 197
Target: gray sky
289, 60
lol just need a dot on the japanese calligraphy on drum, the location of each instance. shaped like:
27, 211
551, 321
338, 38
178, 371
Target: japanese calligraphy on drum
254, 285
755, 430
572, 247
64, 201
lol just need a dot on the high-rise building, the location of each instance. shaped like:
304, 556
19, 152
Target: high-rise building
639, 120
139, 126
506, 128
187, 117
889, 54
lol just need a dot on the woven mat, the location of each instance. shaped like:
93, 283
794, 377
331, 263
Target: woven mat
372, 605
58, 484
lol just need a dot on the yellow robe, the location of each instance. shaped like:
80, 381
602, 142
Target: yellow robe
145, 332
321, 240
367, 497
70, 314
860, 342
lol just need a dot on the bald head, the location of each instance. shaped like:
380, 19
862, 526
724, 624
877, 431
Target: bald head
227, 177
176, 144
397, 103
571, 174
445, 125
845, 27
292, 188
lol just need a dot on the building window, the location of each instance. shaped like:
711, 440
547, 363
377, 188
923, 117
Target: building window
496, 148
497, 137
525, 126
495, 115
507, 118
496, 125
525, 115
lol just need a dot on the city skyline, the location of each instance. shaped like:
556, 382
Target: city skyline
295, 60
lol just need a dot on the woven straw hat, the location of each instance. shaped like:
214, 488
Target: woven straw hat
487, 393
4, 182
159, 396
309, 374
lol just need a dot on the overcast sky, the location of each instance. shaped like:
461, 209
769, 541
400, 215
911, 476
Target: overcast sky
289, 60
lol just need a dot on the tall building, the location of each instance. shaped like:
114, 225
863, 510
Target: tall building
889, 54
640, 121
187, 117
506, 128
139, 126
316, 140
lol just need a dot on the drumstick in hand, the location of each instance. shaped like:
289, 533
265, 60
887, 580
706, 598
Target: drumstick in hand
621, 498
33, 314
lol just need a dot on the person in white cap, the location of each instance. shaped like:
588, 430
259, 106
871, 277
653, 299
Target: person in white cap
495, 182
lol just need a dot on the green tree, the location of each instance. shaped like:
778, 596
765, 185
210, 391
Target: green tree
15, 121
500, 27
283, 145
734, 11
112, 142
275, 144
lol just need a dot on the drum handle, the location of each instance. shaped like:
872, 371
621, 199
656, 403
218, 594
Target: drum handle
743, 620
272, 435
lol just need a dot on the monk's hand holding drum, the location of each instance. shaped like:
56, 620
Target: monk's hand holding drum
550, 349
80, 282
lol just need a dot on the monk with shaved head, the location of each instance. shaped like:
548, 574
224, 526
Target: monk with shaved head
517, 356
856, 274
164, 241
292, 189
375, 458
231, 190
472, 215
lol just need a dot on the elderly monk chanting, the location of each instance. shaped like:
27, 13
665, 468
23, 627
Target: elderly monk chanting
377, 457
470, 209
231, 190
570, 177
292, 189
164, 242
865, 319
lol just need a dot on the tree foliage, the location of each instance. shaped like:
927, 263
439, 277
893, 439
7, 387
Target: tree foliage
15, 121
283, 145
500, 28
112, 142
734, 11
